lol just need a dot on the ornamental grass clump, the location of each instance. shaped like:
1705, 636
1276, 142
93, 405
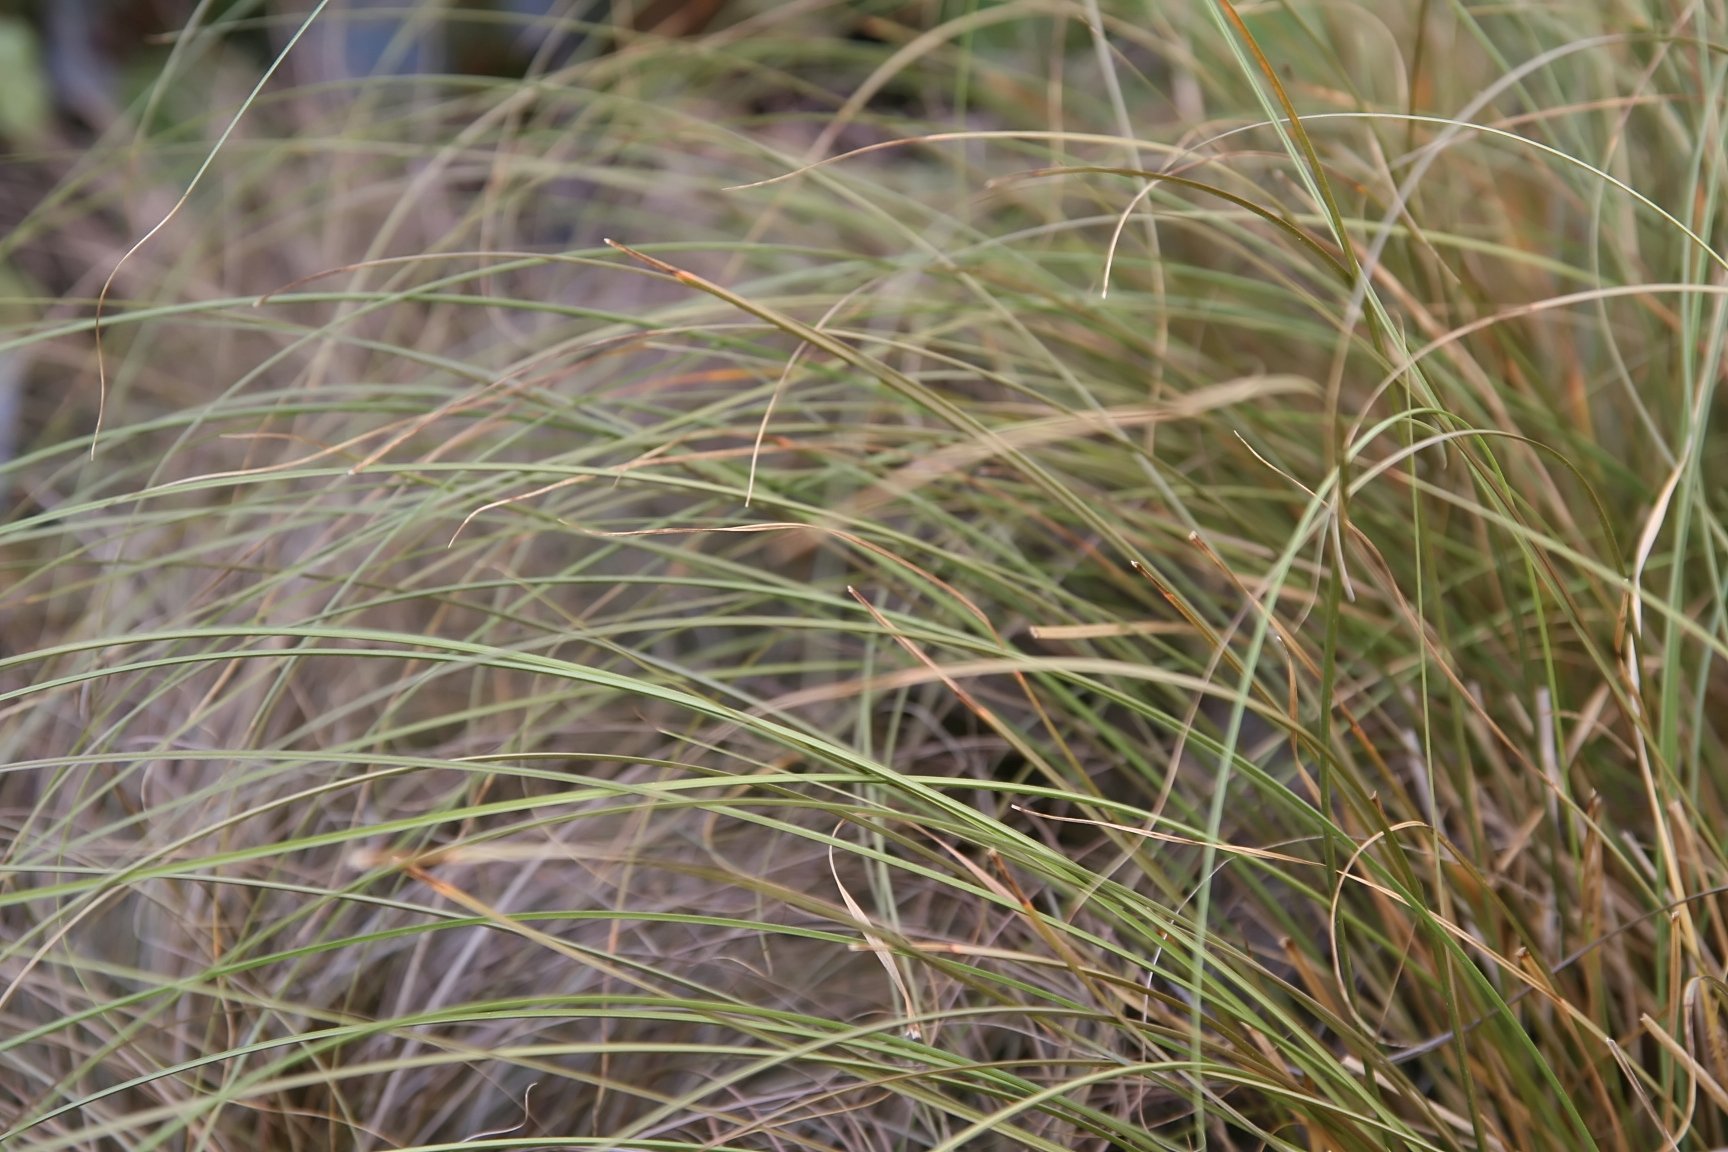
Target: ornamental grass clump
877, 576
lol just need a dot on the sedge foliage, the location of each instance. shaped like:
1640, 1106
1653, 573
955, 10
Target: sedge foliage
1045, 575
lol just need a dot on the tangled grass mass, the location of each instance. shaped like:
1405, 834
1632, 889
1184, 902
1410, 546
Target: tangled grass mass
872, 577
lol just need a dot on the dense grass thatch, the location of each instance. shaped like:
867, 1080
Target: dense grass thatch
883, 576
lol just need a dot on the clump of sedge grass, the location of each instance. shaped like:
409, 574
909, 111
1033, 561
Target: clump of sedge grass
934, 576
